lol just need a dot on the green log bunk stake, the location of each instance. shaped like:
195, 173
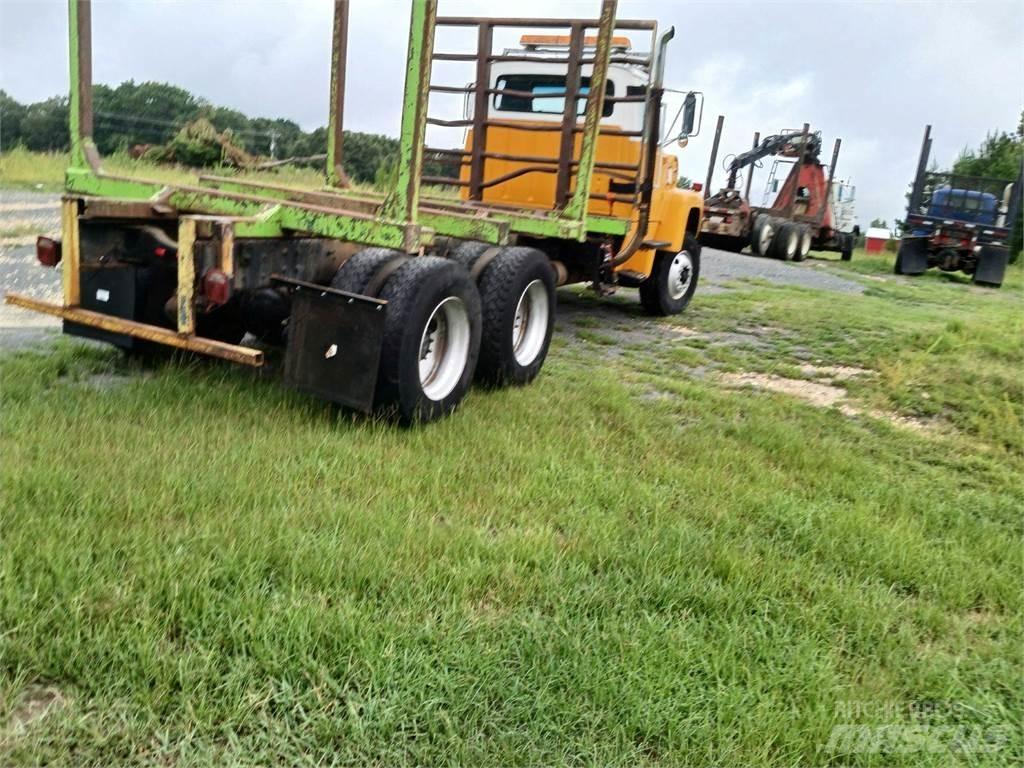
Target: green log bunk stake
400, 218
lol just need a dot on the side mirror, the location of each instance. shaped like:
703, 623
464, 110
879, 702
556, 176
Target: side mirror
689, 115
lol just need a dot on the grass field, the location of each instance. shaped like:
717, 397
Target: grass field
627, 563
44, 171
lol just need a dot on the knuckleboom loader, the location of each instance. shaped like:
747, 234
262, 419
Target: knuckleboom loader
810, 211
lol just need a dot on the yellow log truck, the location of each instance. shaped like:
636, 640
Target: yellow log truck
395, 301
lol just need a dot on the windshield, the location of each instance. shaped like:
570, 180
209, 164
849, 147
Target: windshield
549, 94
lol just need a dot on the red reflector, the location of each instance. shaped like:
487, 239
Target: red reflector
696, 186
48, 251
160, 251
216, 286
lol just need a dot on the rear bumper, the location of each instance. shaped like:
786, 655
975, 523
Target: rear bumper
154, 333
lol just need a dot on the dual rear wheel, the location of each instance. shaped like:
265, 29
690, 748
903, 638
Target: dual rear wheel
517, 289
448, 322
778, 239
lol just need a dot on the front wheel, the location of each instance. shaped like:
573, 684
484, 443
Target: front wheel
846, 254
673, 280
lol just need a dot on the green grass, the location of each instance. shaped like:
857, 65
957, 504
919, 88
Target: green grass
622, 564
22, 169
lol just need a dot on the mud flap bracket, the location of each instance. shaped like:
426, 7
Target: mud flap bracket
334, 343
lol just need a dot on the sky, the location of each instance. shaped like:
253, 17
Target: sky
871, 73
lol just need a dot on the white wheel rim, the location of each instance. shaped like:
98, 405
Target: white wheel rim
805, 244
791, 245
530, 324
444, 348
680, 275
765, 240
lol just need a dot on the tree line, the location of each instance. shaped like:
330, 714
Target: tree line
152, 114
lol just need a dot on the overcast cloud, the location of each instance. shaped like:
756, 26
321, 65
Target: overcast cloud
871, 73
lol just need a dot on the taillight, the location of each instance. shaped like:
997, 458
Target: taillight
48, 251
216, 286
696, 186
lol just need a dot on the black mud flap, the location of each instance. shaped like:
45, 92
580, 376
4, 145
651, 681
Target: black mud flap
334, 344
991, 267
912, 257
128, 291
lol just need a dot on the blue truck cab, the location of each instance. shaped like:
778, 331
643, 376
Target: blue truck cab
964, 205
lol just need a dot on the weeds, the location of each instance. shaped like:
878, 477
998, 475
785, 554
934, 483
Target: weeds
625, 563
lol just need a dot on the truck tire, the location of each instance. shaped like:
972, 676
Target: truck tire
991, 267
466, 253
846, 250
785, 242
803, 246
912, 256
761, 235
673, 280
354, 274
431, 340
517, 292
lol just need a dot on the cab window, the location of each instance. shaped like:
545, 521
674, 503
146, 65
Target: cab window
548, 94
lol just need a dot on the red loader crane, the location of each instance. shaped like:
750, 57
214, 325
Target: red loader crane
805, 215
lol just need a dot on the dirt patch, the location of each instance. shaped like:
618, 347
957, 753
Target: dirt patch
682, 331
834, 372
35, 703
815, 393
821, 395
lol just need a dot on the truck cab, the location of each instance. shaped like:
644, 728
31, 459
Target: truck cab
968, 205
844, 206
528, 102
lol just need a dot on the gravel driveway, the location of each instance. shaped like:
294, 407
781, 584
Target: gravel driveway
719, 268
23, 215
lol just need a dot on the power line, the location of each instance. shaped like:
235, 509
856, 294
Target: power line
177, 124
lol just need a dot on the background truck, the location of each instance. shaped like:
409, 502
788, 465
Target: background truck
958, 223
809, 211
395, 301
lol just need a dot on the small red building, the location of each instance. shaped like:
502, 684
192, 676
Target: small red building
876, 239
